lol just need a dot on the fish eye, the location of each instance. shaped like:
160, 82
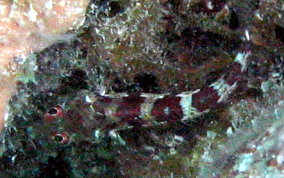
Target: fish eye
62, 138
56, 111
58, 138
53, 113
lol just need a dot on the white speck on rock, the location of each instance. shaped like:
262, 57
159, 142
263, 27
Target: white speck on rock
49, 4
244, 162
32, 14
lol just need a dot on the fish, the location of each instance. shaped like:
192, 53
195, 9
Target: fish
129, 110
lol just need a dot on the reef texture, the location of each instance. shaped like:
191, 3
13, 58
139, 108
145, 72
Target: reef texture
115, 101
30, 26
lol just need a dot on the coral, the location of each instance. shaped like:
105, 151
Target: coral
254, 146
30, 26
159, 47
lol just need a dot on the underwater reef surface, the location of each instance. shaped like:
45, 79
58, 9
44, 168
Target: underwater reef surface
31, 26
58, 125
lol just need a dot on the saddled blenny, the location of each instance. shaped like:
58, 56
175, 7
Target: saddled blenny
125, 111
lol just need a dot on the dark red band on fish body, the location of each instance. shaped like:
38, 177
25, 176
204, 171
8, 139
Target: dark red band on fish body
234, 74
101, 103
167, 109
206, 98
129, 107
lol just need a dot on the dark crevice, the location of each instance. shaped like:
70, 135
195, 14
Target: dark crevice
233, 21
279, 33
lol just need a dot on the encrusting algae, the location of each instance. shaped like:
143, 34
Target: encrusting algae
29, 26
